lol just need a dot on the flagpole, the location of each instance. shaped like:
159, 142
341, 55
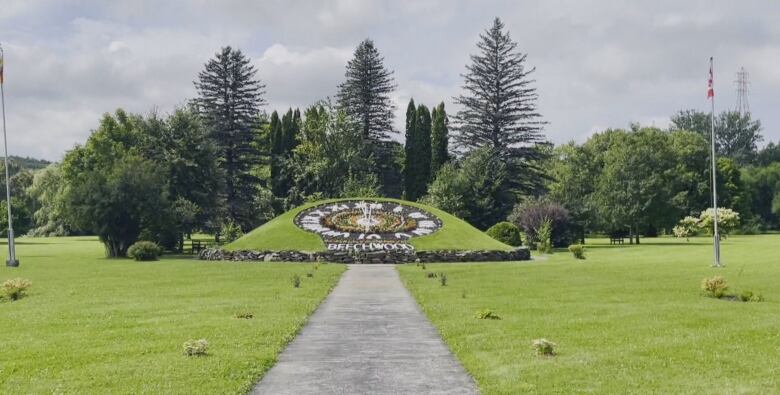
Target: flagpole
12, 261
715, 235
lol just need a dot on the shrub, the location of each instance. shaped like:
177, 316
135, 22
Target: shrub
487, 314
728, 220
16, 288
578, 250
714, 287
543, 235
443, 279
231, 231
244, 315
528, 216
749, 296
687, 228
544, 347
144, 251
296, 281
196, 348
505, 232
430, 275
309, 274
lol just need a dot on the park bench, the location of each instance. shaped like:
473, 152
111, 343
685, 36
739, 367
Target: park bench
615, 240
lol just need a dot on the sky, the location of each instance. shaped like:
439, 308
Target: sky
599, 64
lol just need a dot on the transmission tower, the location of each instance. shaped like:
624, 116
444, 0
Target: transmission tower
743, 105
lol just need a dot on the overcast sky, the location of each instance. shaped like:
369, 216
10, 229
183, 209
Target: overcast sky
599, 64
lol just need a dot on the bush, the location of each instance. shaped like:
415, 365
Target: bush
529, 216
195, 348
728, 220
15, 289
144, 251
714, 287
296, 281
487, 314
506, 232
544, 237
687, 228
443, 279
244, 315
578, 250
544, 347
749, 296
231, 231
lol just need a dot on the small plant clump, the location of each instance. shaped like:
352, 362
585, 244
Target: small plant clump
15, 288
430, 275
544, 234
309, 274
196, 348
544, 347
244, 315
144, 251
750, 296
487, 314
296, 281
443, 279
506, 232
714, 287
578, 250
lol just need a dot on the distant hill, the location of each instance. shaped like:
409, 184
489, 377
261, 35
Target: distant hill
26, 163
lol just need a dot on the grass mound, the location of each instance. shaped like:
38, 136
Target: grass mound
282, 234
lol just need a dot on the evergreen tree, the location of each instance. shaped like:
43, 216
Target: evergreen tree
424, 150
229, 101
439, 139
365, 95
410, 149
499, 108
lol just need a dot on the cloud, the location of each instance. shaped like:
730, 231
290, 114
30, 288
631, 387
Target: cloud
599, 64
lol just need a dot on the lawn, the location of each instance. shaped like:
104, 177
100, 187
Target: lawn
282, 234
629, 319
92, 325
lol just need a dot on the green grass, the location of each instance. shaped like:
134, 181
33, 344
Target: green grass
629, 319
92, 325
282, 234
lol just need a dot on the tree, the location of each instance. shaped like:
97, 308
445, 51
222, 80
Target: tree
118, 202
365, 95
181, 146
769, 154
499, 108
736, 134
411, 149
47, 190
439, 139
476, 191
229, 100
764, 186
424, 144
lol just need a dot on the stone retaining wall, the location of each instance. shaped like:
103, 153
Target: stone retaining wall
518, 254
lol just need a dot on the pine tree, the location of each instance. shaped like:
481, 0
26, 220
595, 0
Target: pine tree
410, 149
439, 139
424, 150
365, 95
229, 101
499, 108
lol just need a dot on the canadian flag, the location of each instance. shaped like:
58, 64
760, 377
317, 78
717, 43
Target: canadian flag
710, 91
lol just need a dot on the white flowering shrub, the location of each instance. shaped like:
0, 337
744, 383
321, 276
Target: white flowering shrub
728, 220
687, 227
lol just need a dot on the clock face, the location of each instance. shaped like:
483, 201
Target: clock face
367, 225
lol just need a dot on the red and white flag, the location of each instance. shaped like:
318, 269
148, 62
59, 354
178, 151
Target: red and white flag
710, 91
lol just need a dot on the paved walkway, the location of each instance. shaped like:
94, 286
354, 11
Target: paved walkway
368, 337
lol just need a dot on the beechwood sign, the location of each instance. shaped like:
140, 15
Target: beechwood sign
367, 225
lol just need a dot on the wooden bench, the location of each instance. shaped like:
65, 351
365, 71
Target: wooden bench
615, 240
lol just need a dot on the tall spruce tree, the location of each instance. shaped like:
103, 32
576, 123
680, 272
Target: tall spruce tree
499, 108
275, 142
229, 101
365, 95
410, 150
424, 150
439, 139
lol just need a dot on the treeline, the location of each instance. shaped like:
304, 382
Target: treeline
643, 181
222, 165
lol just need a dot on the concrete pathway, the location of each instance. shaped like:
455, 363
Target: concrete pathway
368, 337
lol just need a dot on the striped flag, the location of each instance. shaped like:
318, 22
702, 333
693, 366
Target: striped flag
710, 91
1, 65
